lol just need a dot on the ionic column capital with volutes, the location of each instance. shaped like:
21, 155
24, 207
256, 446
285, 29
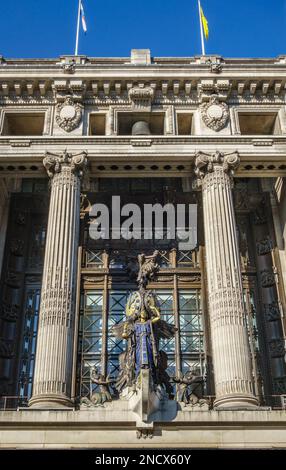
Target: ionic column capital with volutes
52, 384
56, 163
231, 354
208, 163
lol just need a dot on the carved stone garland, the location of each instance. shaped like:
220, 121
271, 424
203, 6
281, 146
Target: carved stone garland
53, 368
215, 114
68, 114
231, 355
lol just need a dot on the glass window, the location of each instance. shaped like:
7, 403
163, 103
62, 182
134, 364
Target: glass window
191, 339
90, 338
29, 341
34, 185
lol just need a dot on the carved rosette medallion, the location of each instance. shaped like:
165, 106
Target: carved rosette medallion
215, 114
68, 114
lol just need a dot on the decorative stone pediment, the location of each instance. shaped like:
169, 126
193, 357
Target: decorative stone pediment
214, 113
68, 114
141, 97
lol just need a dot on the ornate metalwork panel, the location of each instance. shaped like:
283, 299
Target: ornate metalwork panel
20, 291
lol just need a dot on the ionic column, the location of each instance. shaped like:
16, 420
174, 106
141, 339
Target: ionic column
231, 354
53, 368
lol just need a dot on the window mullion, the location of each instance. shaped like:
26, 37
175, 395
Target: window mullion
177, 325
104, 327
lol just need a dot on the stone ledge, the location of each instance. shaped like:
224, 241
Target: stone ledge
31, 429
120, 415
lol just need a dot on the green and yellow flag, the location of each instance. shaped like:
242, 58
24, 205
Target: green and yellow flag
204, 23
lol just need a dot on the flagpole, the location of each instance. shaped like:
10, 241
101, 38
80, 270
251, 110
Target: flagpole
201, 28
77, 29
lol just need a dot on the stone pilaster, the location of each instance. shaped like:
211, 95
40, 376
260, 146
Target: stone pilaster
53, 368
231, 354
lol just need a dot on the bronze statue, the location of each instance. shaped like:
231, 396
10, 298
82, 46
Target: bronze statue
142, 330
147, 268
104, 395
189, 388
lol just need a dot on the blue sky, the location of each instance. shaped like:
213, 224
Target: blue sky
238, 28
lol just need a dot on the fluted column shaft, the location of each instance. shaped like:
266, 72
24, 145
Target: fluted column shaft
231, 354
53, 368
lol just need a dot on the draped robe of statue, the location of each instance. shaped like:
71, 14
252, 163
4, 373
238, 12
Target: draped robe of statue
142, 329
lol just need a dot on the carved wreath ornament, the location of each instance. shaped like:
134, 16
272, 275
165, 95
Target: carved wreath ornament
68, 114
215, 114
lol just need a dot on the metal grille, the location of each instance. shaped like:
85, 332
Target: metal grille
29, 341
90, 338
191, 338
37, 244
188, 259
117, 302
191, 331
93, 259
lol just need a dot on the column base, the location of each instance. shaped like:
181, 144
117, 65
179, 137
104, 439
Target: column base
46, 402
238, 402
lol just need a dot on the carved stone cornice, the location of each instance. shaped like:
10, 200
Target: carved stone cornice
76, 88
54, 163
208, 163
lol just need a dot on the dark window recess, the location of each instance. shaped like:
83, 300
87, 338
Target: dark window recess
34, 185
138, 185
24, 124
259, 124
97, 124
154, 122
20, 295
184, 123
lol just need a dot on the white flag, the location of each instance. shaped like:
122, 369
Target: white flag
83, 22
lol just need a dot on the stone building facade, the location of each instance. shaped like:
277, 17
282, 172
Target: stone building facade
212, 132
